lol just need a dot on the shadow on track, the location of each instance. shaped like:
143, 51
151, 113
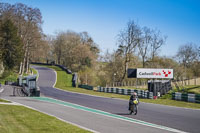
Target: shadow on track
122, 113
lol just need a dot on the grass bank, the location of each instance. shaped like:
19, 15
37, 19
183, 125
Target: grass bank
195, 89
34, 71
8, 76
4, 101
64, 82
18, 119
12, 76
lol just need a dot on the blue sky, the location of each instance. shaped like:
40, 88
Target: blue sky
103, 19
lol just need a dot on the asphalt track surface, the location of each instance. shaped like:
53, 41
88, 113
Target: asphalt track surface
187, 120
179, 118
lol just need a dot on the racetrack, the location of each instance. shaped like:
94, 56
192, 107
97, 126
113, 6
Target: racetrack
177, 118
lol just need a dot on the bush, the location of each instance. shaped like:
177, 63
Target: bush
8, 76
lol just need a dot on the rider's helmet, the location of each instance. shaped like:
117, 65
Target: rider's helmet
134, 94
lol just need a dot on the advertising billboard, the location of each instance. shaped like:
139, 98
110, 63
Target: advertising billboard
155, 73
150, 73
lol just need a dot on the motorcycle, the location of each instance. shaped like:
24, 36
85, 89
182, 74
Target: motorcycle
134, 107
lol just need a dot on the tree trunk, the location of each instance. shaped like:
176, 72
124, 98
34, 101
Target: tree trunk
143, 62
20, 68
25, 57
27, 61
27, 64
125, 70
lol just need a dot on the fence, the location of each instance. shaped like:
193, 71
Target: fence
138, 84
140, 93
195, 98
194, 81
143, 84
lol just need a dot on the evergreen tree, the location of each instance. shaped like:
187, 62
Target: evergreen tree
10, 45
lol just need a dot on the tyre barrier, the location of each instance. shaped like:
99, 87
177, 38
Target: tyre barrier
187, 97
86, 87
10, 83
140, 93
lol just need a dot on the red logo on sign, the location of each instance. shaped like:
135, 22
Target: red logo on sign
166, 74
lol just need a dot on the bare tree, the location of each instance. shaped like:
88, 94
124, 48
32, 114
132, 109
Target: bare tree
187, 54
144, 44
129, 38
157, 41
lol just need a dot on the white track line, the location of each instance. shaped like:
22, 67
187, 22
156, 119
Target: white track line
140, 122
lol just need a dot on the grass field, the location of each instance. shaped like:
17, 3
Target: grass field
19, 119
64, 82
5, 101
34, 71
189, 89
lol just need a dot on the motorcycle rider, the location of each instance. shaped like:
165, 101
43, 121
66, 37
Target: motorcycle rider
132, 98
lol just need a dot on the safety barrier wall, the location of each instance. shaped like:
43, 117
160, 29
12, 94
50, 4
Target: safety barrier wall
86, 87
195, 98
140, 93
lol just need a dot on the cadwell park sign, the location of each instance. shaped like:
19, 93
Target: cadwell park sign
150, 73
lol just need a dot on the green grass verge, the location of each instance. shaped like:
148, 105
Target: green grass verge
63, 80
8, 76
189, 89
19, 119
4, 101
195, 91
12, 76
34, 71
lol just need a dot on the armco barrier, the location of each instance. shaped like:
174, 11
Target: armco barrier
195, 98
141, 93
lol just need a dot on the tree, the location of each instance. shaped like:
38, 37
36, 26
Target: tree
75, 50
10, 44
128, 39
157, 41
42, 50
187, 54
28, 21
144, 44
59, 46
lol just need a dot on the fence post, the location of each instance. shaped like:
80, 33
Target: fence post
195, 81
